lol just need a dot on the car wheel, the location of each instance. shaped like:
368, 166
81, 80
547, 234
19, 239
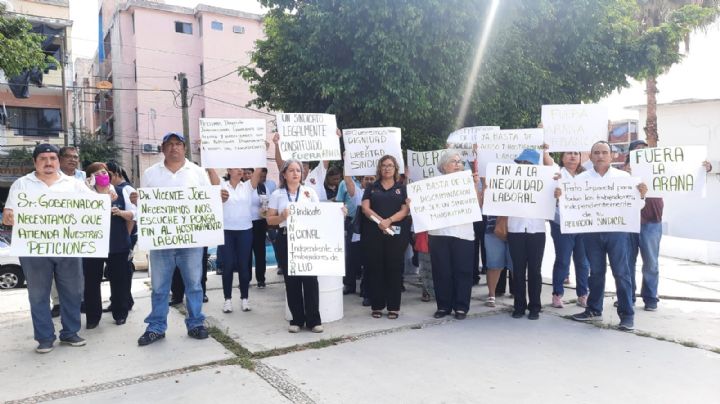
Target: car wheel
11, 276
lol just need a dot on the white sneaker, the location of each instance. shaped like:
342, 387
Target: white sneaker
245, 305
294, 329
227, 306
318, 329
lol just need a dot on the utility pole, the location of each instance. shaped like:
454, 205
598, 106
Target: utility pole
63, 107
185, 118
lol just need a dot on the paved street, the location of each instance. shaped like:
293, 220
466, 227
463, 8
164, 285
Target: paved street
488, 357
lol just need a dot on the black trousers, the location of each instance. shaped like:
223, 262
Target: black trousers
479, 248
120, 278
353, 258
302, 292
177, 287
526, 252
452, 272
385, 259
259, 231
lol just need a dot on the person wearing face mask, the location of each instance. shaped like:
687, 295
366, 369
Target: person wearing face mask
98, 179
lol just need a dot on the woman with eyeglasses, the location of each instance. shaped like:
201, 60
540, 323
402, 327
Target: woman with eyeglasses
385, 235
303, 295
117, 260
568, 245
451, 255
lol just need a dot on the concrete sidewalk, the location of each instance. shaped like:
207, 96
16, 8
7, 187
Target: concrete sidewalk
416, 358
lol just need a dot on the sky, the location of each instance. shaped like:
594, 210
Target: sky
695, 77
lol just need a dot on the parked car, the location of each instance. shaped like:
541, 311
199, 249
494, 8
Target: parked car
11, 274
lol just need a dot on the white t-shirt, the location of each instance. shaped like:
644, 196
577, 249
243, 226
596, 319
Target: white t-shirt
189, 175
236, 210
31, 182
461, 231
129, 205
256, 203
280, 199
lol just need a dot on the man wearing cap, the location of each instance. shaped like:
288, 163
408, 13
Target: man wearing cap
174, 171
613, 245
40, 271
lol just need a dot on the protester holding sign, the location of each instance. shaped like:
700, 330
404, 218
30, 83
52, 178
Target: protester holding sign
568, 245
116, 261
611, 245
451, 255
40, 270
174, 171
385, 235
302, 292
258, 213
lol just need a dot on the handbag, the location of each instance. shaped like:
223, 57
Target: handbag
501, 228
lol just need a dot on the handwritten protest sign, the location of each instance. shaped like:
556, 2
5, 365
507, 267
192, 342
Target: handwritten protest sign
670, 170
574, 127
53, 224
464, 140
443, 201
308, 137
180, 217
422, 165
364, 147
225, 143
520, 190
503, 146
315, 236
600, 205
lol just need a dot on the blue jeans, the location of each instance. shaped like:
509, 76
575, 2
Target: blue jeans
648, 243
236, 256
39, 273
567, 245
613, 246
162, 266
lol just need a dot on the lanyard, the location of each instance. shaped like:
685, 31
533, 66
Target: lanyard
297, 195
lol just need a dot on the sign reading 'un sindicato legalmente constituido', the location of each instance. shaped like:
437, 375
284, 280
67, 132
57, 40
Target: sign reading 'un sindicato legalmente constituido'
56, 224
308, 137
180, 217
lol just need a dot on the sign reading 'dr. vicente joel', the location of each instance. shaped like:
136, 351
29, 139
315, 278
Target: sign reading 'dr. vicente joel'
315, 236
224, 143
364, 147
308, 137
443, 201
180, 217
600, 205
574, 127
520, 190
52, 224
671, 170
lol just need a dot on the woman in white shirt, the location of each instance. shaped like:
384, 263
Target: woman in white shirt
303, 295
238, 225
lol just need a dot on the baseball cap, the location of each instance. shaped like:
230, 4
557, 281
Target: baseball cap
45, 148
171, 134
530, 155
636, 143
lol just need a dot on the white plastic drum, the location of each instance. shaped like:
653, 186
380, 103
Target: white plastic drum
331, 299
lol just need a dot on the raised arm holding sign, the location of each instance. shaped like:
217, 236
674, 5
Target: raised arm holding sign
308, 137
363, 148
574, 127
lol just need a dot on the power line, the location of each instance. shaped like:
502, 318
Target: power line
95, 88
215, 79
234, 105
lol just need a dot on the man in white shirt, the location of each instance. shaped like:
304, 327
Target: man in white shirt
174, 171
614, 245
40, 271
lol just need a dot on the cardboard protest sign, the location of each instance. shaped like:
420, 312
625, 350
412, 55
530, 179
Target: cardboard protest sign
443, 201
600, 205
180, 217
464, 140
670, 170
231, 143
316, 241
574, 127
54, 224
364, 147
520, 190
308, 137
503, 146
422, 165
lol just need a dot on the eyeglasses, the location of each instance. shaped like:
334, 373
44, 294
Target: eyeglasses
455, 162
387, 166
71, 156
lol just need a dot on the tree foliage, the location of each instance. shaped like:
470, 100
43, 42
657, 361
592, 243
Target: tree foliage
20, 49
404, 62
92, 149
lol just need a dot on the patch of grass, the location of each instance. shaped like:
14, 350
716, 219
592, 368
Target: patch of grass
243, 356
689, 344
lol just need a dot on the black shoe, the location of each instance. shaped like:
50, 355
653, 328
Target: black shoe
107, 309
55, 311
279, 271
533, 315
149, 337
175, 302
476, 281
205, 299
460, 315
75, 340
261, 285
366, 302
199, 332
402, 288
517, 314
90, 326
347, 291
483, 271
82, 307
440, 314
120, 321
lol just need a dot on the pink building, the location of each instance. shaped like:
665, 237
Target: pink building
147, 43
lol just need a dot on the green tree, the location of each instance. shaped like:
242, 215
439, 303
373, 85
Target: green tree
20, 49
92, 149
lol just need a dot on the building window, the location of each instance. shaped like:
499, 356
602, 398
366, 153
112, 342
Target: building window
35, 121
216, 25
183, 27
202, 113
238, 29
202, 74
